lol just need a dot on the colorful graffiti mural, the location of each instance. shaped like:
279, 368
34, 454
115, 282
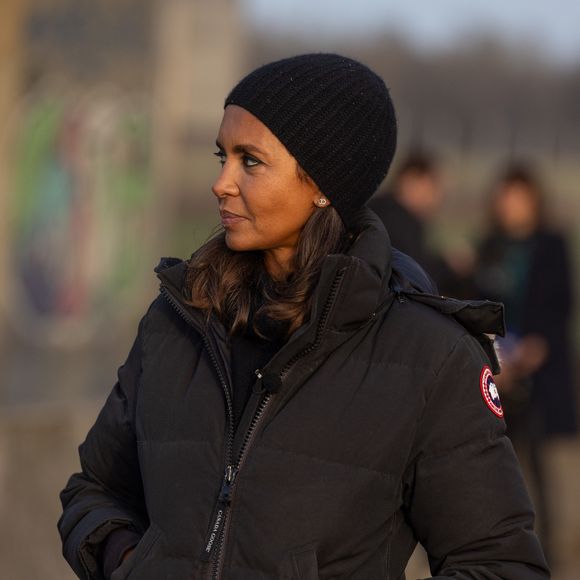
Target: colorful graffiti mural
81, 212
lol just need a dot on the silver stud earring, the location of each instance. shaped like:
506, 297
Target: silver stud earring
322, 202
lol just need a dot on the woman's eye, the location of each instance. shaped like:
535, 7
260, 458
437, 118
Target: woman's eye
221, 157
250, 161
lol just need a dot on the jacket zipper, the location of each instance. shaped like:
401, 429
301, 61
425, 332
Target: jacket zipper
220, 512
220, 520
228, 396
260, 412
248, 437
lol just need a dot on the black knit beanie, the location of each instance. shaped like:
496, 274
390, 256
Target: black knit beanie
335, 117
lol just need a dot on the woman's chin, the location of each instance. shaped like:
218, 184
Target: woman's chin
239, 243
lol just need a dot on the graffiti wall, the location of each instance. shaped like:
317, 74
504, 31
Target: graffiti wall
81, 212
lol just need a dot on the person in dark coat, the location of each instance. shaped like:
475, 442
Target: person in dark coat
407, 211
298, 402
525, 264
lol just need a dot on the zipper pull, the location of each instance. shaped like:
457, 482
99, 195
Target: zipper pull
219, 514
227, 484
270, 383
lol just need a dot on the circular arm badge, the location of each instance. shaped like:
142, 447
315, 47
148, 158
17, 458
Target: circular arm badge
489, 391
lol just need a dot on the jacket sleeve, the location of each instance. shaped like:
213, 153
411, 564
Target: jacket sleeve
107, 493
464, 493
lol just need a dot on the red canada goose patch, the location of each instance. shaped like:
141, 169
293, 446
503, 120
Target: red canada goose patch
489, 391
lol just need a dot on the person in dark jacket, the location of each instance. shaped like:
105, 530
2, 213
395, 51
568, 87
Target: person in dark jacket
298, 402
524, 263
408, 210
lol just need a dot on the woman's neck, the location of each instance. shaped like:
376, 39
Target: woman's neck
278, 262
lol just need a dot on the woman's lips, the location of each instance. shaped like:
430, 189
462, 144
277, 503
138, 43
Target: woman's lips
230, 219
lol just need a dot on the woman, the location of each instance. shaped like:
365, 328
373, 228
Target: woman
524, 263
293, 407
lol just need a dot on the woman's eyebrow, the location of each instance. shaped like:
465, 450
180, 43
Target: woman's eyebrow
247, 148
242, 148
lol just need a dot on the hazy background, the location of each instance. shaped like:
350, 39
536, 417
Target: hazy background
108, 114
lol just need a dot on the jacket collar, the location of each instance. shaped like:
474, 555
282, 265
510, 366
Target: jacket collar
365, 269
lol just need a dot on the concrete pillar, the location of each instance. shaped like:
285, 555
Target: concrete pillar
199, 51
12, 20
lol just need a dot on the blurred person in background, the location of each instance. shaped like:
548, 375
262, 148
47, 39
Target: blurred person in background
408, 210
293, 406
524, 263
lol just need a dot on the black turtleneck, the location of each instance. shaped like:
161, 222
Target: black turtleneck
250, 351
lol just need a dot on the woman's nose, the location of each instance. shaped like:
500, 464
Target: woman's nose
225, 184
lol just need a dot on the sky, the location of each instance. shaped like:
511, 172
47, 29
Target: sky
554, 27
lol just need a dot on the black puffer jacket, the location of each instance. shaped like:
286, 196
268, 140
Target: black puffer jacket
366, 432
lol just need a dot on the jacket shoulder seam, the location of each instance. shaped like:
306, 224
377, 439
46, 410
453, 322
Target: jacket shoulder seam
450, 353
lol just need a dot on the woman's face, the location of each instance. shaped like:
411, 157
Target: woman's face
263, 201
516, 208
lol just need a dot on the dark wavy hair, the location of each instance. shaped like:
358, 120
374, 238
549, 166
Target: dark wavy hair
229, 284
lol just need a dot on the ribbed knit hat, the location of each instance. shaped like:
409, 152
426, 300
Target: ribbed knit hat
335, 117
